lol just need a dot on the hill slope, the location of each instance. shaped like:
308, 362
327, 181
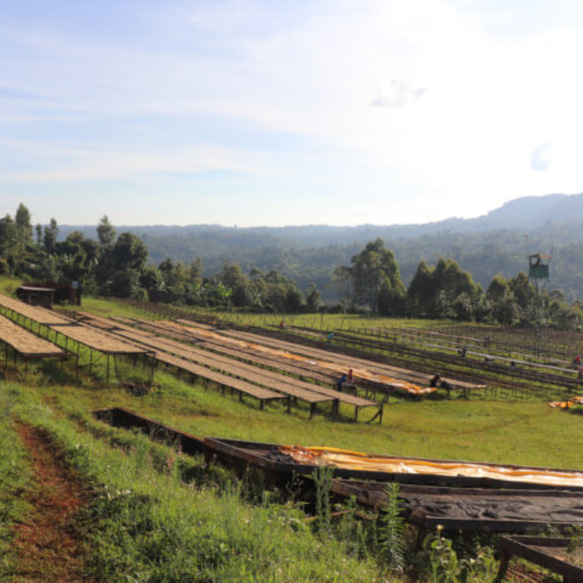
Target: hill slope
485, 246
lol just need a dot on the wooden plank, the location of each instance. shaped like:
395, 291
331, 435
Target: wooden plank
235, 369
343, 397
35, 313
217, 377
340, 363
26, 343
97, 340
303, 369
120, 417
541, 551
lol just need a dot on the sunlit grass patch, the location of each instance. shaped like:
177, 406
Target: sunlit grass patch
146, 523
14, 478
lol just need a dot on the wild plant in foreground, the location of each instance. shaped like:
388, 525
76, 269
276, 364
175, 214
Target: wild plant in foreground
392, 530
479, 566
322, 477
146, 524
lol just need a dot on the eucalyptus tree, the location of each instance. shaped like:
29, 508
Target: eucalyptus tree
373, 278
23, 228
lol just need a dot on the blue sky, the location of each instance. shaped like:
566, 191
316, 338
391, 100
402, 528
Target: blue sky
246, 112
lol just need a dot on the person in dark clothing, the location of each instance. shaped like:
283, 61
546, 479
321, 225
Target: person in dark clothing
439, 383
435, 381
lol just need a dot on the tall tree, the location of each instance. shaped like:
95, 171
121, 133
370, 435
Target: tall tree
7, 237
50, 237
39, 234
313, 298
129, 252
421, 292
105, 233
372, 270
127, 260
23, 228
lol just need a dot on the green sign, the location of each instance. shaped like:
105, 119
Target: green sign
539, 272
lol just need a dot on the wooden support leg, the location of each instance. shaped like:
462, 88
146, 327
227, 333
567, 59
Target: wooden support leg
312, 409
504, 560
77, 363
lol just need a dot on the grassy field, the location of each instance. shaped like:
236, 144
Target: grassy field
527, 433
156, 515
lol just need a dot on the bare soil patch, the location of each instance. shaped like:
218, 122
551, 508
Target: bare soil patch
49, 544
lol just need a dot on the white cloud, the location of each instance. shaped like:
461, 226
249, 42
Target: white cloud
454, 129
58, 162
540, 158
399, 94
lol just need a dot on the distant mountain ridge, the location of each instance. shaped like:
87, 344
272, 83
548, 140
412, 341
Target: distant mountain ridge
485, 246
525, 212
531, 212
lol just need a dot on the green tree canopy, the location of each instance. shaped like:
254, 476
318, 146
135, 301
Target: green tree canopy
373, 275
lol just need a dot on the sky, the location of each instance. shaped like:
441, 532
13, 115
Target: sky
287, 112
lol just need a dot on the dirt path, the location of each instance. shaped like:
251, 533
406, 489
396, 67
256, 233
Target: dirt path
48, 545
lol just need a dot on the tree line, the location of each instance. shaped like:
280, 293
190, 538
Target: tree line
113, 264
445, 291
117, 265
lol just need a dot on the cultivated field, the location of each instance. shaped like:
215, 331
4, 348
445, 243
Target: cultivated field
136, 510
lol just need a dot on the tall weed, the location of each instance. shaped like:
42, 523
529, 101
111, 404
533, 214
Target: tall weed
392, 530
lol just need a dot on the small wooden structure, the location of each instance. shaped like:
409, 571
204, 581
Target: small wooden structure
36, 293
36, 296
551, 553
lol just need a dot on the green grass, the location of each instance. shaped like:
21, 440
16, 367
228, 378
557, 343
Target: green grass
524, 433
108, 307
14, 477
321, 321
158, 516
146, 523
8, 285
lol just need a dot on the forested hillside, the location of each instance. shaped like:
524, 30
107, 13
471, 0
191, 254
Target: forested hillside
310, 254
417, 271
496, 243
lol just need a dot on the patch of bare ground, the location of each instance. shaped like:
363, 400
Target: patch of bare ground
49, 545
522, 574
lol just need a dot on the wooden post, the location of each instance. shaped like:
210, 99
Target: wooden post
77, 363
312, 409
504, 560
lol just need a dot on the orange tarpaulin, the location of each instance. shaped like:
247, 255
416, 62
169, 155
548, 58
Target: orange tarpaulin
352, 460
566, 404
359, 373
